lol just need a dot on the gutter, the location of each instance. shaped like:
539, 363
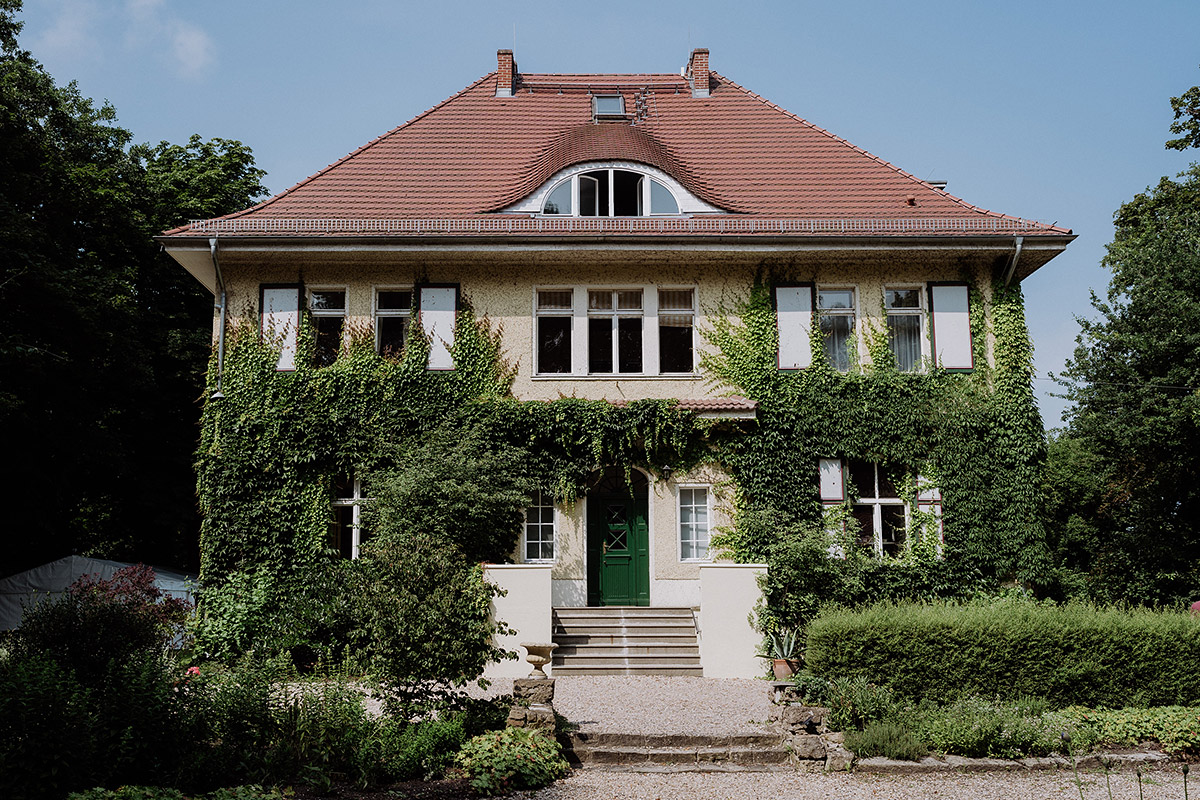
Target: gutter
1012, 262
220, 304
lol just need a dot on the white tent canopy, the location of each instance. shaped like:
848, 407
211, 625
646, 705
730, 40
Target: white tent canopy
50, 581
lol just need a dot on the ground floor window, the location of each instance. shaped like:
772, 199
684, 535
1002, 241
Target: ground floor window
693, 523
540, 528
881, 514
346, 534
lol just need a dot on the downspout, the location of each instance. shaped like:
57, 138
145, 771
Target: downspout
1012, 264
212, 250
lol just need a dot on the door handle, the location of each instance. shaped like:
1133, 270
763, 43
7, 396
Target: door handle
604, 545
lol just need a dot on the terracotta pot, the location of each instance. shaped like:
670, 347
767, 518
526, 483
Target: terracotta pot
783, 669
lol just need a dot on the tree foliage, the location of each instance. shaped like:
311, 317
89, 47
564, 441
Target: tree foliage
1187, 120
103, 339
1136, 419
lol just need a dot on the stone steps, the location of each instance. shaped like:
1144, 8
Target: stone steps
625, 640
633, 752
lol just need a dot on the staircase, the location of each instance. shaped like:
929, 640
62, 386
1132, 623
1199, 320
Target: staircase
625, 640
634, 752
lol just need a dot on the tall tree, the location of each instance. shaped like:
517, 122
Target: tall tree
102, 340
1134, 380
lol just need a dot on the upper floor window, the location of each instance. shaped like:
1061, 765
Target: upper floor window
610, 193
327, 307
622, 331
836, 309
904, 315
393, 309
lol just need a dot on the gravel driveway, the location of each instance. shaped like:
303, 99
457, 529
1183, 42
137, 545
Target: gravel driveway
651, 704
596, 785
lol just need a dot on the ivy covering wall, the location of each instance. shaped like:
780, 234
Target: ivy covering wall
272, 447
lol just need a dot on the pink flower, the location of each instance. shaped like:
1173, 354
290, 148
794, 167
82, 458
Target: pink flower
193, 671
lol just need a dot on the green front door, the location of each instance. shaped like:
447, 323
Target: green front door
618, 550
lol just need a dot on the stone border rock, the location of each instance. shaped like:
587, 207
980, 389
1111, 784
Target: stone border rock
1127, 761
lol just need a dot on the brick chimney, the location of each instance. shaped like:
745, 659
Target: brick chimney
697, 72
506, 73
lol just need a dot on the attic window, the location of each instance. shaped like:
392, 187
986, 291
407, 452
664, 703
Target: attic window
610, 193
608, 105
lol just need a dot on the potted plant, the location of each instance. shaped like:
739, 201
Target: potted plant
784, 656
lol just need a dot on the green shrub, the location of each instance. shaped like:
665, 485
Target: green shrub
514, 758
978, 728
811, 689
853, 703
887, 739
98, 621
1176, 728
422, 750
428, 621
1072, 655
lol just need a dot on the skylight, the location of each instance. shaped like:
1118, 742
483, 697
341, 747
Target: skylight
608, 105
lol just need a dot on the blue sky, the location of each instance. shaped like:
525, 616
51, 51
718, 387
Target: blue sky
1050, 110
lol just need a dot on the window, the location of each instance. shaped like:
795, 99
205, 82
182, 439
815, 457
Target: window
881, 514
904, 314
393, 309
608, 105
553, 320
836, 308
346, 535
327, 307
610, 193
676, 317
539, 528
693, 523
614, 331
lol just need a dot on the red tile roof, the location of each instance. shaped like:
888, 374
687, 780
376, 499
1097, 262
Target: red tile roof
451, 169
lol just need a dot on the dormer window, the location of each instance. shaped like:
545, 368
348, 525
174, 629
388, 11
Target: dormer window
610, 193
608, 105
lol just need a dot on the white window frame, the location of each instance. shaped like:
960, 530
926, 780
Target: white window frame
547, 500
877, 503
851, 312
378, 312
328, 313
616, 314
580, 314
354, 502
570, 313
708, 519
692, 312
919, 312
645, 191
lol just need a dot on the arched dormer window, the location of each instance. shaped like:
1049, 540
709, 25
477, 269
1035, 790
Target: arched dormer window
611, 188
610, 192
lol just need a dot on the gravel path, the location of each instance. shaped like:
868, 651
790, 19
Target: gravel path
595, 785
663, 705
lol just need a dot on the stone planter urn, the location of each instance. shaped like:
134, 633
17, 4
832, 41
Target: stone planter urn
783, 668
539, 654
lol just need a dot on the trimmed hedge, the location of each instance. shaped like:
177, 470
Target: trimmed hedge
1070, 655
